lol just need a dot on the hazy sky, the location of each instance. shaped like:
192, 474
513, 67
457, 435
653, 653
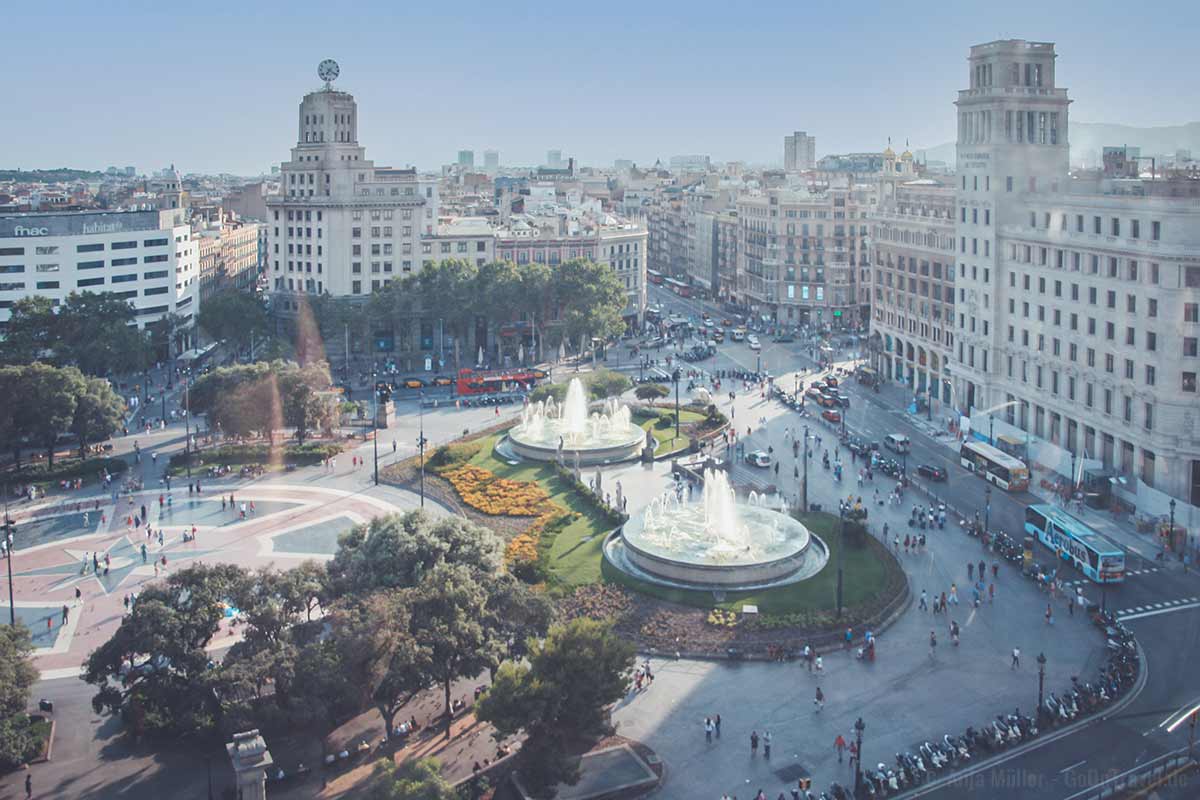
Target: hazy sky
215, 86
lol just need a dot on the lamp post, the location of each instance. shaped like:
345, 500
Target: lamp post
1171, 529
841, 548
929, 405
9, 527
992, 429
804, 500
675, 377
187, 421
375, 416
859, 727
1041, 662
987, 508
421, 443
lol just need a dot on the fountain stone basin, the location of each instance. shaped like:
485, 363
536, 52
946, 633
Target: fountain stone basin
597, 437
716, 543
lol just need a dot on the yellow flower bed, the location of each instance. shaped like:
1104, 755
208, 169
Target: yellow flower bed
501, 497
722, 619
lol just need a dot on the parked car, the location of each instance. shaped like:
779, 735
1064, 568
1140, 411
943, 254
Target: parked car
414, 383
812, 393
442, 380
931, 472
758, 458
897, 442
831, 415
831, 382
843, 399
785, 338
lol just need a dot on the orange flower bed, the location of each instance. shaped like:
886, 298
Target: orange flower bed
483, 491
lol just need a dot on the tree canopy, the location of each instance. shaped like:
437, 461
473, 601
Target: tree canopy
561, 696
258, 398
418, 779
94, 332
234, 316
17, 676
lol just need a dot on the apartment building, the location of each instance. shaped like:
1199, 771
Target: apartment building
799, 152
911, 279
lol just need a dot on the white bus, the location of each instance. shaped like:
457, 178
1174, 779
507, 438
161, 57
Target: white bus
995, 466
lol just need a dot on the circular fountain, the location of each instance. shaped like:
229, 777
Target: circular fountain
716, 543
546, 428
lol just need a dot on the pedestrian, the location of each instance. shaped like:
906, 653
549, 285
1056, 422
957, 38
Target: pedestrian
753, 743
932, 644
143, 552
991, 592
953, 594
954, 632
819, 700
839, 744
1071, 607
1016, 658
66, 613
766, 738
849, 637
708, 729
970, 570
125, 600
995, 569
1049, 614
982, 567
717, 725
28, 786
853, 754
922, 605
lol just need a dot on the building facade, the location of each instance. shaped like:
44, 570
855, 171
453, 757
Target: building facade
1076, 303
147, 257
800, 253
341, 225
799, 152
911, 279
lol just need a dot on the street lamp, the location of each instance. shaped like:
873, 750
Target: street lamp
1170, 530
859, 727
841, 547
929, 405
804, 502
187, 420
9, 527
987, 508
1041, 662
421, 443
675, 377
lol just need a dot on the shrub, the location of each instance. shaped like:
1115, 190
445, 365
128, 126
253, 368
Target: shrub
88, 468
604, 382
235, 454
556, 390
454, 455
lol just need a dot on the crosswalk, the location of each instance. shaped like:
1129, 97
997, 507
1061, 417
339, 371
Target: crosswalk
1128, 573
1154, 609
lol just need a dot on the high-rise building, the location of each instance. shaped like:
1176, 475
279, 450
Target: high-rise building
341, 225
491, 161
554, 159
799, 152
1077, 303
690, 163
466, 159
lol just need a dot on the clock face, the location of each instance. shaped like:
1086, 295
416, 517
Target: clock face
327, 70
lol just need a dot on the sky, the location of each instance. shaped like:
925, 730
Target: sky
214, 87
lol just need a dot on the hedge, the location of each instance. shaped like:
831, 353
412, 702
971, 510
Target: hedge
62, 470
231, 454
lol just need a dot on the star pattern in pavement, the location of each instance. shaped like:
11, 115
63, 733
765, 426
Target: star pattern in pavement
125, 559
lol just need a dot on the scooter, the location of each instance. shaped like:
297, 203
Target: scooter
957, 745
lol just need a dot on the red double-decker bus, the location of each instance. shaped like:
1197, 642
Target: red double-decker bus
492, 381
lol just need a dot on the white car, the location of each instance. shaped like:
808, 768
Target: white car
753, 342
758, 458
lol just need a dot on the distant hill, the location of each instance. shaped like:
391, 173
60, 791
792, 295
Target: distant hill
48, 175
1089, 138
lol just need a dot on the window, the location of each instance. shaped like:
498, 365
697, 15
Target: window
90, 281
47, 284
1150, 375
1156, 230
1151, 341
155, 242
1149, 416
159, 274
1189, 382
1128, 369
1191, 312
87, 264
1152, 308
90, 248
1191, 346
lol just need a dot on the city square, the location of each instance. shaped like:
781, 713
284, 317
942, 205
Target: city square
873, 474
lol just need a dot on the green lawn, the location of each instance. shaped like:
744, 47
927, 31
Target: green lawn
668, 443
863, 578
574, 553
575, 557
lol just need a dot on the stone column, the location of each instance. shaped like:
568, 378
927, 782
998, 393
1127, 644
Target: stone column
250, 758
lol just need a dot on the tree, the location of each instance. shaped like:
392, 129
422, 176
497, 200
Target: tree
396, 551
46, 401
235, 316
519, 614
560, 696
303, 397
420, 779
303, 587
11, 434
378, 655
649, 392
17, 676
98, 412
98, 334
591, 299
604, 383
31, 334
155, 669
453, 627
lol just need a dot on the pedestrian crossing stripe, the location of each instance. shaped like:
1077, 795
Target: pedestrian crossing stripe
1155, 606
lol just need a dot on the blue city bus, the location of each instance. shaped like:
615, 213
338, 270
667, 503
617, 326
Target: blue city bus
1072, 540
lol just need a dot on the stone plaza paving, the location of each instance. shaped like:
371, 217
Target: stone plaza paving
904, 696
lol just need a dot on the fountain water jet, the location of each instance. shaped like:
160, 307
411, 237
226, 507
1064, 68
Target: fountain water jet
546, 427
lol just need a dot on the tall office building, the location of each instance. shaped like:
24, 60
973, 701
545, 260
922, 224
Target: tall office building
466, 159
491, 161
341, 225
799, 152
554, 159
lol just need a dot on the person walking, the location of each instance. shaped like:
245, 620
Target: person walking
839, 744
753, 743
1049, 614
995, 569
66, 613
1070, 606
922, 604
953, 594
708, 729
1016, 658
28, 786
970, 570
717, 725
991, 593
954, 632
766, 739
982, 567
819, 700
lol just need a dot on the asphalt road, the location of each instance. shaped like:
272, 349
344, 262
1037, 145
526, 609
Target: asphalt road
1155, 600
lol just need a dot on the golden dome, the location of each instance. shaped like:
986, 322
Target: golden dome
906, 155
889, 153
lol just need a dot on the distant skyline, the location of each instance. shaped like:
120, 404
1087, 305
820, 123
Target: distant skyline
215, 88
